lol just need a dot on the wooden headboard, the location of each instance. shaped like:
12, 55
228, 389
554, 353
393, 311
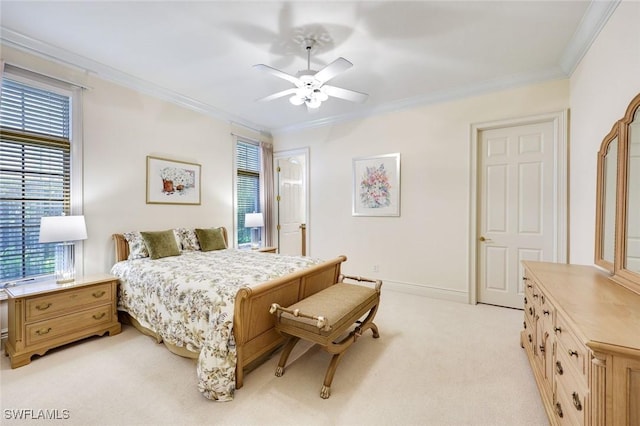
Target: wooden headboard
122, 246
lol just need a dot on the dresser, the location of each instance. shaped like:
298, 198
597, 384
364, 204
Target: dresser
45, 315
581, 334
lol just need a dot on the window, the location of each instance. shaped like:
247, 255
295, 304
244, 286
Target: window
35, 174
248, 186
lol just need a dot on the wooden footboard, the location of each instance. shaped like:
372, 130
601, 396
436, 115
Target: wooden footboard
254, 326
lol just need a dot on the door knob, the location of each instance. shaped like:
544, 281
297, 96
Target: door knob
483, 239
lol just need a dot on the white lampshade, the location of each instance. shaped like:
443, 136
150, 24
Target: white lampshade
55, 229
253, 220
63, 230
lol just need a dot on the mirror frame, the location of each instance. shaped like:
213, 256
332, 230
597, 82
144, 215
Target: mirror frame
627, 278
612, 136
620, 130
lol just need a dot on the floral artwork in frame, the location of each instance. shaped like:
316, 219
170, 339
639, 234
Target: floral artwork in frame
172, 182
376, 185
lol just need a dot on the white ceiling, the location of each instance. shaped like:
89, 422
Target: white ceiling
200, 53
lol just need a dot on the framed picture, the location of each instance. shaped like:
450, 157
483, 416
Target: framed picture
172, 182
376, 185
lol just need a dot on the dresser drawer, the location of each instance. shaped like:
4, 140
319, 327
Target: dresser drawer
50, 305
571, 400
570, 351
63, 326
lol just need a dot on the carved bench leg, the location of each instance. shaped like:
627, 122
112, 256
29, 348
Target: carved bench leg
325, 391
288, 347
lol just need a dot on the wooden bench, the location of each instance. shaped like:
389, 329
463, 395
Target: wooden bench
325, 317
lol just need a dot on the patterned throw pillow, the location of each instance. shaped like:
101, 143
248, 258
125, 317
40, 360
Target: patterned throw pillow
137, 247
188, 239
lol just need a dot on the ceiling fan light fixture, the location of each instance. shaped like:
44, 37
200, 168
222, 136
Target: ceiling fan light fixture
313, 103
296, 100
310, 86
320, 95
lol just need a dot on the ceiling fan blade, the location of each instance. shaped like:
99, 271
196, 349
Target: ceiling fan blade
333, 69
349, 95
278, 73
277, 95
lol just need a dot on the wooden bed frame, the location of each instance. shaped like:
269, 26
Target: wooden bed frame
253, 325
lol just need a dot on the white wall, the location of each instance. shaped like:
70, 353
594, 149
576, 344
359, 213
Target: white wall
602, 86
123, 127
425, 250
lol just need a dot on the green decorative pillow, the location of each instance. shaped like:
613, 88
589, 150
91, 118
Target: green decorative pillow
161, 244
211, 239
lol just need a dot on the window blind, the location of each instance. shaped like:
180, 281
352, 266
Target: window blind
34, 175
248, 185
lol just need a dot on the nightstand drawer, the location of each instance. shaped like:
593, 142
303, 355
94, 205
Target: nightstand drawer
47, 306
65, 325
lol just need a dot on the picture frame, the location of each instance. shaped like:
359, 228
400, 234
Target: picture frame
376, 185
172, 181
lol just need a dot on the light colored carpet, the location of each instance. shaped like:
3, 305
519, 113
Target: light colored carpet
435, 363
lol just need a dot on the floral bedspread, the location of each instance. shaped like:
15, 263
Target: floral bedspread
188, 300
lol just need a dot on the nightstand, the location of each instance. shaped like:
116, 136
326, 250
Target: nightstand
45, 315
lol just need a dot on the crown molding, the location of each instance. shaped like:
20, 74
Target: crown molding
594, 19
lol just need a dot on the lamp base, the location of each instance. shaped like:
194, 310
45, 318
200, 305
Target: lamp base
65, 263
255, 238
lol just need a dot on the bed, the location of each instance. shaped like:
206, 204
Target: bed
234, 330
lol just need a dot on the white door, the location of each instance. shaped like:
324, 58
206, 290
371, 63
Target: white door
516, 212
291, 202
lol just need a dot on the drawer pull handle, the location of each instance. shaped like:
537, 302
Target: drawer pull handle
525, 279
524, 323
542, 348
559, 369
530, 310
542, 299
535, 296
559, 409
557, 329
43, 331
573, 353
99, 316
530, 339
43, 307
545, 312
576, 401
98, 294
525, 301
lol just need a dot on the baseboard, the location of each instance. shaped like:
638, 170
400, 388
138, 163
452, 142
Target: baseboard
426, 291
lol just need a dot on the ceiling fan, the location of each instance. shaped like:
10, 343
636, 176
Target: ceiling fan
311, 88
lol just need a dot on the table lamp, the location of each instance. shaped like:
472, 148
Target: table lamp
254, 221
64, 230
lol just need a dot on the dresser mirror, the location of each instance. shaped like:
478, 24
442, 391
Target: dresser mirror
606, 200
618, 200
631, 249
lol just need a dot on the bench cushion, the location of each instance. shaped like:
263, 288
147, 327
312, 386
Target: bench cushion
336, 303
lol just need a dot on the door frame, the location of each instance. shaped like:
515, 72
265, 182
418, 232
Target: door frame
560, 187
276, 216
